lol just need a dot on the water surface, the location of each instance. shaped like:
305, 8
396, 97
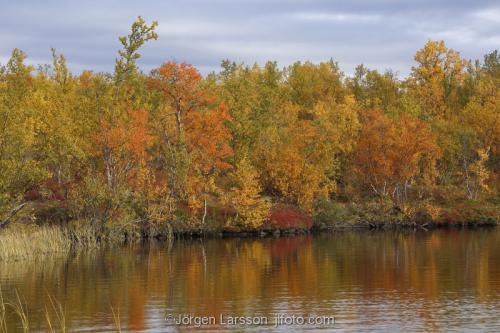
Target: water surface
441, 280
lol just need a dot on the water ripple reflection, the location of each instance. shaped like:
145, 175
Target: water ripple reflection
446, 280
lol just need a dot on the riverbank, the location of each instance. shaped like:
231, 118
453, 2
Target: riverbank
25, 239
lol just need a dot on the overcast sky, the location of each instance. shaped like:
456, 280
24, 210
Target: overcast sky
381, 34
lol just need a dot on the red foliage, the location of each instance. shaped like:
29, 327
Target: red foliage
451, 217
32, 194
55, 191
285, 217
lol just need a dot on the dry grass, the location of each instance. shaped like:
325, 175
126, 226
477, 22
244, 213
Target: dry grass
55, 314
18, 243
116, 319
3, 321
83, 234
20, 310
60, 313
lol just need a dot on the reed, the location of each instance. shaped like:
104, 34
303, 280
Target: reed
116, 319
60, 313
18, 243
49, 321
83, 234
20, 310
3, 319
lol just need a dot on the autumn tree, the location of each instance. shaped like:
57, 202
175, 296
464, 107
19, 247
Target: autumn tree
208, 146
195, 148
126, 64
482, 118
437, 79
127, 143
491, 66
252, 210
116, 112
18, 125
394, 155
373, 90
177, 88
308, 83
300, 158
181, 87
252, 95
157, 149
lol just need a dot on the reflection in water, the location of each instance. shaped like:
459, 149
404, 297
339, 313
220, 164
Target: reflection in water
416, 281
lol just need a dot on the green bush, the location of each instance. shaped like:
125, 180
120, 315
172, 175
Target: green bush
330, 213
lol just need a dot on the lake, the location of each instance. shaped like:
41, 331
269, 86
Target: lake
383, 281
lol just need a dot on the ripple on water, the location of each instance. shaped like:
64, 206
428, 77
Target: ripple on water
445, 280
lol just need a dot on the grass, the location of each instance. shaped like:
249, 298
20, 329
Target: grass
23, 242
20, 310
53, 307
116, 319
3, 320
60, 313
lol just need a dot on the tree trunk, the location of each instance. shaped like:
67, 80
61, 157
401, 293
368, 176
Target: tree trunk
13, 213
204, 212
108, 164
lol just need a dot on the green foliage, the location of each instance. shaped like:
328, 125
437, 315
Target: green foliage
329, 213
140, 34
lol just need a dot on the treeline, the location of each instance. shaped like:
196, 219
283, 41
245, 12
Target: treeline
173, 148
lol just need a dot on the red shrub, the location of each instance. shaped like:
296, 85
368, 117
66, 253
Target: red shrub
33, 194
285, 217
451, 217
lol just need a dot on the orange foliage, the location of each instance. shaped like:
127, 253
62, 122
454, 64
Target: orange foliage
208, 137
393, 154
180, 84
123, 145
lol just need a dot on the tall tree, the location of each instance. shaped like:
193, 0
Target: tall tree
437, 79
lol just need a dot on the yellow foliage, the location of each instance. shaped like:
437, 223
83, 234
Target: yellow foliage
480, 173
300, 157
252, 210
436, 79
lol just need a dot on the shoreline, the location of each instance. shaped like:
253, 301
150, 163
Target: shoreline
27, 243
221, 233
26, 240
321, 230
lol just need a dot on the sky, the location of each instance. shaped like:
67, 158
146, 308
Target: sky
381, 34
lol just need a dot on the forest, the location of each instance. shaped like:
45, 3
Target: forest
250, 147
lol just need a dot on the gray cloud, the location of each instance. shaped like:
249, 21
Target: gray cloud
382, 34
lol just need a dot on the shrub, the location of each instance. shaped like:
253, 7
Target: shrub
286, 217
330, 213
381, 211
471, 212
426, 212
52, 213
